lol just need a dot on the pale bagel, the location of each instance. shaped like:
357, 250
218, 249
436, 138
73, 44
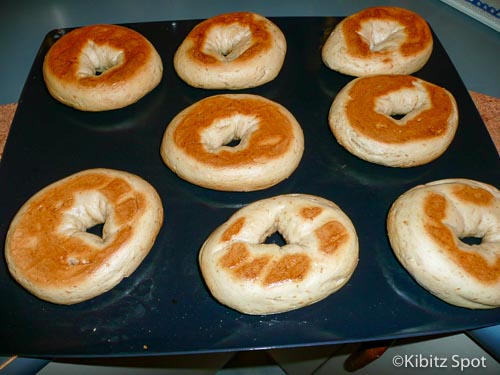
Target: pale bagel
360, 119
379, 40
320, 255
51, 254
231, 51
196, 146
101, 67
425, 226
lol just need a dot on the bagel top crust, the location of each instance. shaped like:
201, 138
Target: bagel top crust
231, 51
243, 266
262, 39
427, 227
62, 59
273, 137
417, 31
319, 256
433, 121
379, 40
48, 248
435, 208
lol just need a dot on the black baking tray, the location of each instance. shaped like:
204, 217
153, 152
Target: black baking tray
164, 306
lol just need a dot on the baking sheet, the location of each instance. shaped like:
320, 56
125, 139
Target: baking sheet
164, 307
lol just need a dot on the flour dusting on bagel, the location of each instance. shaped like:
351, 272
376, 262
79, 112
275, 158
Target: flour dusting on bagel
231, 51
101, 67
363, 119
426, 226
253, 277
197, 143
50, 251
379, 40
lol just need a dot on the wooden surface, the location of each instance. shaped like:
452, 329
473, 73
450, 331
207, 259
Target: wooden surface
489, 108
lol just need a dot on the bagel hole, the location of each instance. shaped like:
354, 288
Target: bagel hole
229, 42
96, 230
233, 142
382, 35
398, 116
230, 133
95, 60
403, 105
106, 63
275, 238
471, 241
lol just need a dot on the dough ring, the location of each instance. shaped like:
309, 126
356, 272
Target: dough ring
426, 226
50, 251
379, 40
101, 67
197, 144
231, 51
363, 119
246, 274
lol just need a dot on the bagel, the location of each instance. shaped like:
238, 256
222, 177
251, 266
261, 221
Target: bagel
425, 227
197, 143
320, 255
379, 40
101, 67
231, 51
49, 251
360, 119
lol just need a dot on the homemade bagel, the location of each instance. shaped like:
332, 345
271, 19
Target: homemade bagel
101, 67
320, 255
360, 119
197, 143
51, 254
379, 40
231, 51
425, 227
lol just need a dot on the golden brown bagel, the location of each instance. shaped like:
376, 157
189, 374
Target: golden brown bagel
101, 67
379, 40
320, 255
49, 251
195, 143
360, 119
425, 225
231, 51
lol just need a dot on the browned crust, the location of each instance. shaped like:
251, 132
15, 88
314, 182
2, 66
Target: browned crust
473, 263
261, 37
271, 140
42, 255
62, 60
418, 32
430, 123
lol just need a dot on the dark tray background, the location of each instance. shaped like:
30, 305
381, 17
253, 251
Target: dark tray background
164, 307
